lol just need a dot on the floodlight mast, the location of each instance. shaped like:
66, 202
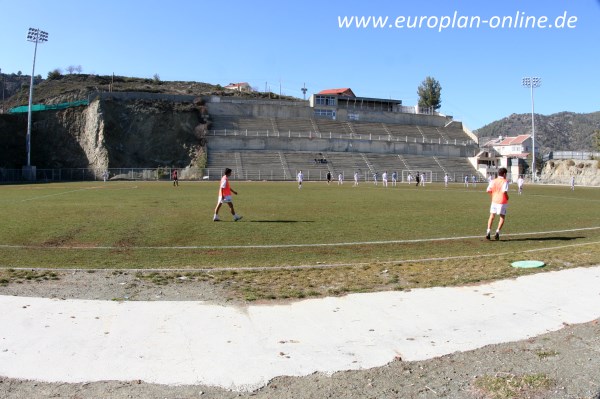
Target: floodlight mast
304, 90
532, 83
36, 36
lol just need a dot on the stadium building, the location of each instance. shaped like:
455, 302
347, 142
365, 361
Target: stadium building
338, 132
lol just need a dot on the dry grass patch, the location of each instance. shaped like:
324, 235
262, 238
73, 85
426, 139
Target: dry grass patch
19, 276
514, 387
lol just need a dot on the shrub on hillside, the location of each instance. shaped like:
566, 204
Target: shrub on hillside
54, 75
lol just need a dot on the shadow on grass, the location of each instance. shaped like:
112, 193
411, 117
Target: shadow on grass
545, 239
281, 221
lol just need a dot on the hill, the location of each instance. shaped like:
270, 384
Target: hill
11, 84
567, 131
74, 87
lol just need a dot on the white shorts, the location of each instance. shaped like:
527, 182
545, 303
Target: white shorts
225, 199
498, 209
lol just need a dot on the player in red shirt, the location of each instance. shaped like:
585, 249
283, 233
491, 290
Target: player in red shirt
175, 178
225, 197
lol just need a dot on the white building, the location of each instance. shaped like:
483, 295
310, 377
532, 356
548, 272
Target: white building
243, 86
508, 152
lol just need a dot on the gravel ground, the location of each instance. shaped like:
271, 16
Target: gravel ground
565, 363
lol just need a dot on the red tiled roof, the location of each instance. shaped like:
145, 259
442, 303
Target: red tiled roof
514, 140
237, 84
346, 91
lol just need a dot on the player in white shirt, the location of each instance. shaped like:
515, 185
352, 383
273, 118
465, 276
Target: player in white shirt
520, 182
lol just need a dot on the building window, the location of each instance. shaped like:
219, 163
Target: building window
329, 113
325, 100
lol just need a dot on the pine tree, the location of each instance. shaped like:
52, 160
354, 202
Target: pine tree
430, 92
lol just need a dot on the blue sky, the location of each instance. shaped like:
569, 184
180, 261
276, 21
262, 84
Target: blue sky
291, 43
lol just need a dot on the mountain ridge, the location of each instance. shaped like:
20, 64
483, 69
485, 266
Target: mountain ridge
567, 131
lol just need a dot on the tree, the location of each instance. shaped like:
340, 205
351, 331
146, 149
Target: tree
597, 139
55, 74
430, 92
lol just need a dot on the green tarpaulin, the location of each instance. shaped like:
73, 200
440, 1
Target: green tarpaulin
43, 107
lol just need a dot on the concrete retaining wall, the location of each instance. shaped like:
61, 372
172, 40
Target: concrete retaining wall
243, 143
276, 109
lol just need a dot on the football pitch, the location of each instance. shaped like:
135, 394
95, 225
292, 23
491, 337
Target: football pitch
317, 240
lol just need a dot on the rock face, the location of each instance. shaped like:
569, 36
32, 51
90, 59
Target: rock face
108, 134
143, 134
560, 172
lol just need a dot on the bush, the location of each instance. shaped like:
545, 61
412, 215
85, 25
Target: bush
54, 75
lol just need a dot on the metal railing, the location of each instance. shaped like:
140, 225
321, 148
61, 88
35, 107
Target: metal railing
332, 135
196, 174
91, 174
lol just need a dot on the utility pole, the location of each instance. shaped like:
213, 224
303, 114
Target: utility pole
2, 109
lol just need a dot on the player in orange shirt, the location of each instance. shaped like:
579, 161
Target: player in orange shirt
498, 189
225, 197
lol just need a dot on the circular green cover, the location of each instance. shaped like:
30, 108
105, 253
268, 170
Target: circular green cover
528, 264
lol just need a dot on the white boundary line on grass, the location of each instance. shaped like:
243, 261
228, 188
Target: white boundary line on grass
274, 246
74, 191
63, 193
316, 266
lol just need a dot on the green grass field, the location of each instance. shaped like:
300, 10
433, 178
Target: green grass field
318, 240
